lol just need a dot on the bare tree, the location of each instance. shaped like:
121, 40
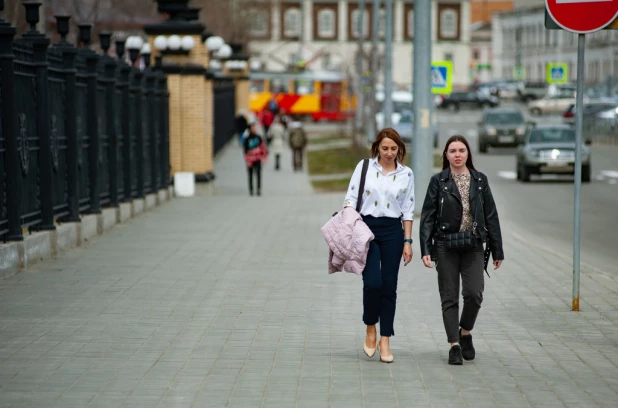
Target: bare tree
230, 19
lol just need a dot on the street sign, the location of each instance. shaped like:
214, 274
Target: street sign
582, 16
441, 77
519, 73
557, 73
550, 24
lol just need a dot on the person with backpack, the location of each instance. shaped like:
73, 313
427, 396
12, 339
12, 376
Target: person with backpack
255, 151
459, 214
276, 134
385, 188
298, 142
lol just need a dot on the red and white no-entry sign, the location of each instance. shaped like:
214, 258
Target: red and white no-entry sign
582, 16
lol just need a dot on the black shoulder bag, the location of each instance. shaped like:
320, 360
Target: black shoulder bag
361, 187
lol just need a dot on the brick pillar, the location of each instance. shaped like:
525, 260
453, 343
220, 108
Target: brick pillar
209, 123
193, 150
175, 122
242, 93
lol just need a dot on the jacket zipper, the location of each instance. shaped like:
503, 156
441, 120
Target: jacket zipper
441, 206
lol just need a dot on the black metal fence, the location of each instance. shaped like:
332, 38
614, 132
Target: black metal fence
224, 99
79, 130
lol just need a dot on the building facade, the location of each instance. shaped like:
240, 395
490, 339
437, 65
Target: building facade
539, 46
324, 34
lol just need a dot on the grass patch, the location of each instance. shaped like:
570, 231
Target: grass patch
333, 161
325, 140
328, 186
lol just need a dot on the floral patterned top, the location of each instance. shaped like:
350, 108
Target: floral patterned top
463, 185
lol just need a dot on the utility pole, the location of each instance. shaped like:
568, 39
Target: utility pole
422, 155
388, 66
301, 34
371, 98
359, 74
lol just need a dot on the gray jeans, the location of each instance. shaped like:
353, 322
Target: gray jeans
450, 265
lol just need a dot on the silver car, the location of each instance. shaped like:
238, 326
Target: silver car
405, 128
550, 149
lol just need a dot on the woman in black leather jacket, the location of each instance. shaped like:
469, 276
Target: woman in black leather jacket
459, 200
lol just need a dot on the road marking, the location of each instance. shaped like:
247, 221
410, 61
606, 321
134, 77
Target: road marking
509, 175
612, 174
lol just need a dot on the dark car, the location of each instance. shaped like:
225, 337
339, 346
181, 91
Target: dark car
504, 127
550, 149
471, 99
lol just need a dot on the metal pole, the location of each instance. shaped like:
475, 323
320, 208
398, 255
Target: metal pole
421, 141
359, 72
375, 25
301, 34
579, 116
388, 66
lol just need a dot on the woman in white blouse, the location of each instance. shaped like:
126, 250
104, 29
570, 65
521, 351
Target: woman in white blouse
387, 202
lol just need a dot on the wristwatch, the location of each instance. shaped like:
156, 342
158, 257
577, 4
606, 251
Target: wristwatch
408, 240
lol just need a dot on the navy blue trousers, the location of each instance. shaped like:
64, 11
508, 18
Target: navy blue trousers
381, 272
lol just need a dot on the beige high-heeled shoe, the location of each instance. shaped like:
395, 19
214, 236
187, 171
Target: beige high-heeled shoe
385, 359
370, 352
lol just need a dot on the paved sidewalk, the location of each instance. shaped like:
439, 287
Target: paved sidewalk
223, 300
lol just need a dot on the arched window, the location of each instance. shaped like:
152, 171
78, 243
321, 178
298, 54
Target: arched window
259, 23
326, 23
448, 22
291, 23
354, 23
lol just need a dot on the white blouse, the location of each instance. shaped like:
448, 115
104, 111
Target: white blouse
385, 195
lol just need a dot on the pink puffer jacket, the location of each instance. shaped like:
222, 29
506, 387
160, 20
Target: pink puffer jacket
347, 237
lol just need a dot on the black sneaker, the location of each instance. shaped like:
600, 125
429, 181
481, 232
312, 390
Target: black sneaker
467, 348
454, 356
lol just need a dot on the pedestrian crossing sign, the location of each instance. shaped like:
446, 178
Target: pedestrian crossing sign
441, 77
557, 73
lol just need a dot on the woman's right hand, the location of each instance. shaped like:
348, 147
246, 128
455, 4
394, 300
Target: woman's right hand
427, 261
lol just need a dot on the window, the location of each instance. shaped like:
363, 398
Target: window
326, 23
291, 23
354, 15
326, 62
448, 21
409, 22
476, 55
259, 23
382, 24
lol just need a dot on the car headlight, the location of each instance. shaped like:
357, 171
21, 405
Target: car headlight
491, 131
520, 131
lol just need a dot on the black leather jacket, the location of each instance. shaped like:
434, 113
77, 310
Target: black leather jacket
442, 211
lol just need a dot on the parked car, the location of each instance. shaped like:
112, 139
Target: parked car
530, 91
551, 104
459, 99
501, 127
550, 149
591, 109
405, 128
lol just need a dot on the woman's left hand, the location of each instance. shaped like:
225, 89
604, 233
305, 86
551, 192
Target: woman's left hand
407, 253
497, 264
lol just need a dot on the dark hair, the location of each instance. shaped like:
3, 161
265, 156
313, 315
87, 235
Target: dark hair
394, 136
452, 139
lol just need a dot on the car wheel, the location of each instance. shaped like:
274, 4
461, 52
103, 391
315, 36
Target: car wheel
536, 111
586, 174
454, 107
525, 174
518, 172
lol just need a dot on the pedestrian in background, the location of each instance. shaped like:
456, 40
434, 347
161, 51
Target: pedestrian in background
459, 214
255, 152
298, 142
241, 124
387, 203
276, 133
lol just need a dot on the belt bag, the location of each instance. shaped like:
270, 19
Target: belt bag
461, 240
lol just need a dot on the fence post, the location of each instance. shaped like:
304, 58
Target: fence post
136, 88
12, 168
150, 122
43, 122
109, 66
123, 83
94, 153
164, 123
69, 54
